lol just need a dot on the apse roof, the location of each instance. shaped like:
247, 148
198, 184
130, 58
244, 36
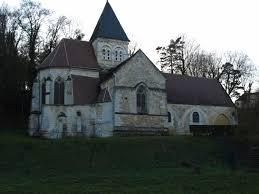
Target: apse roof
71, 53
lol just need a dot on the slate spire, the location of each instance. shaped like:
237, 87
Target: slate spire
108, 26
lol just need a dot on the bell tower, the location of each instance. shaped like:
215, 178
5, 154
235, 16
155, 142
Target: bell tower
109, 40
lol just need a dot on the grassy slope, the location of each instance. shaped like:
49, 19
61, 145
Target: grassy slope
117, 165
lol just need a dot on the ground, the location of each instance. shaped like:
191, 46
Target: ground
178, 164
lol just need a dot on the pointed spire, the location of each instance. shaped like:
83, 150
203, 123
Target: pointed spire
108, 26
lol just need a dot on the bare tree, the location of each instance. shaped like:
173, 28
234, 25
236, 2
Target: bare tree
31, 16
56, 30
178, 56
133, 47
205, 65
237, 73
73, 31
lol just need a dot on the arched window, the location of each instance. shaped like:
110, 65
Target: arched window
43, 92
195, 117
59, 91
118, 54
106, 53
169, 118
141, 100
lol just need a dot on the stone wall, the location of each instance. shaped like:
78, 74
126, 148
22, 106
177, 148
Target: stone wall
55, 121
181, 116
89, 120
53, 74
100, 43
125, 95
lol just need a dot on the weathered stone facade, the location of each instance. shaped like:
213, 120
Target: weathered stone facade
110, 52
181, 116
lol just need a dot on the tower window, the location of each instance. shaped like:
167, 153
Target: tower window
106, 53
118, 54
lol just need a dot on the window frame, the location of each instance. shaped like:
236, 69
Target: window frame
106, 53
195, 117
59, 91
141, 100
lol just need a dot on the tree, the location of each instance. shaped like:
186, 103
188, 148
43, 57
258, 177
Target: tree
133, 47
230, 79
12, 64
236, 73
30, 17
179, 55
56, 29
23, 45
205, 65
234, 70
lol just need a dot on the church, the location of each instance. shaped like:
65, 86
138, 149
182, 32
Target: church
96, 89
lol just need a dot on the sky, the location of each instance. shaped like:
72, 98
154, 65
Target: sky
217, 25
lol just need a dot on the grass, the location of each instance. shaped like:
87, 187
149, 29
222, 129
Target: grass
119, 165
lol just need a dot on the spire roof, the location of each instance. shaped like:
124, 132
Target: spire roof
108, 26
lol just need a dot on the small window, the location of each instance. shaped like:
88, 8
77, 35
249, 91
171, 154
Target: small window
195, 117
169, 117
141, 100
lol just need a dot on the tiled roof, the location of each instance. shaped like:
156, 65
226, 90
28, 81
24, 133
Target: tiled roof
183, 89
71, 53
108, 26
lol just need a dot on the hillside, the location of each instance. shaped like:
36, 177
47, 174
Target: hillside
179, 164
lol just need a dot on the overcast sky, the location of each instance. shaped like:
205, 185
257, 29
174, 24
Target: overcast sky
217, 25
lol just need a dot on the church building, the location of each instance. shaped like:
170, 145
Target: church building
95, 88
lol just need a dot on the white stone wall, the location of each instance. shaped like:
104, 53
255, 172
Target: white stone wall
48, 117
88, 120
113, 45
181, 115
126, 99
35, 101
104, 119
64, 73
125, 95
140, 69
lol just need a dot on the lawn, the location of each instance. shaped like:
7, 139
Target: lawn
177, 164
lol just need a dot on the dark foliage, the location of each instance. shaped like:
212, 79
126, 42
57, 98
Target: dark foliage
23, 45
